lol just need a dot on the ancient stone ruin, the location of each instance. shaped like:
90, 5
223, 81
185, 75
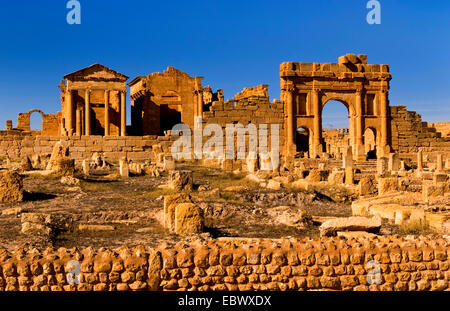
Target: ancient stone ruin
313, 214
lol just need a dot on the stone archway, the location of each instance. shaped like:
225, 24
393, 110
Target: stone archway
23, 120
306, 87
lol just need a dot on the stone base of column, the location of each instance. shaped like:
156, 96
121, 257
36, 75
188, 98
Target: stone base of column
291, 150
316, 151
360, 153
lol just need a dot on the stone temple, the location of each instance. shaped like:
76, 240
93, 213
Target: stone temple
93, 104
363, 208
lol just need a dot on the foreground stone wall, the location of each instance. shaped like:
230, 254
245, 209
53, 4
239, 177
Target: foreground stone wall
17, 144
326, 264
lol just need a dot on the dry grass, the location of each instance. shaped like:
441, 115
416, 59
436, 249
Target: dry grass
415, 227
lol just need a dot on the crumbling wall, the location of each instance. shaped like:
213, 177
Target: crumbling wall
50, 123
18, 144
384, 263
251, 106
409, 133
442, 127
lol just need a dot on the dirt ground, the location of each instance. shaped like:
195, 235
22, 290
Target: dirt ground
134, 207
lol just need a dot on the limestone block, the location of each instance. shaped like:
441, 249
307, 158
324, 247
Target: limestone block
64, 167
11, 187
349, 176
273, 185
123, 168
86, 167
332, 226
170, 202
387, 184
366, 186
336, 177
316, 175
430, 190
188, 219
169, 163
59, 152
180, 180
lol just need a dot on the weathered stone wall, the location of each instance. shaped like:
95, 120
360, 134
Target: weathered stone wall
442, 127
251, 106
409, 133
17, 144
50, 123
326, 264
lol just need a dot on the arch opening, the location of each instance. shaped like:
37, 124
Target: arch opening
36, 120
302, 140
336, 127
370, 143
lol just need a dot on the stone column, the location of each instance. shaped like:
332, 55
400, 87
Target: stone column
87, 113
290, 128
78, 122
420, 160
359, 127
195, 93
384, 121
123, 114
317, 119
70, 116
107, 133
200, 103
439, 163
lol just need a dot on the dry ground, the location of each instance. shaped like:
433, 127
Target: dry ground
134, 207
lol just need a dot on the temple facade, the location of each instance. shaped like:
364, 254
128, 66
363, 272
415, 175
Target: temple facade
93, 102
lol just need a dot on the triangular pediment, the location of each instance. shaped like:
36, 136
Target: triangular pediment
96, 72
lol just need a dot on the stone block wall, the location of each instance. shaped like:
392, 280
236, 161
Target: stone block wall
223, 265
442, 127
18, 144
409, 133
253, 109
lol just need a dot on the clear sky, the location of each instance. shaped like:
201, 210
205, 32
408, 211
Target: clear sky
233, 44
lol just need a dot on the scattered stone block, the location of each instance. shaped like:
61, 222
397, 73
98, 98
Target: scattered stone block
70, 181
170, 202
169, 163
387, 184
94, 228
11, 187
59, 152
349, 176
64, 167
336, 177
332, 226
13, 211
273, 185
123, 168
180, 180
86, 167
25, 164
367, 186
430, 190
189, 219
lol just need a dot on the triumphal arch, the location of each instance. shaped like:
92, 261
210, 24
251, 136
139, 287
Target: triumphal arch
363, 88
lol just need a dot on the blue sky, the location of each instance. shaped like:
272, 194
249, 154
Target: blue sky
233, 44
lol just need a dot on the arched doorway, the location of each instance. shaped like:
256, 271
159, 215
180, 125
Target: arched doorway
370, 143
302, 140
335, 127
36, 119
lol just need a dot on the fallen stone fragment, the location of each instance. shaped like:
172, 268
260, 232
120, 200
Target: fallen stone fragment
82, 227
331, 227
11, 187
